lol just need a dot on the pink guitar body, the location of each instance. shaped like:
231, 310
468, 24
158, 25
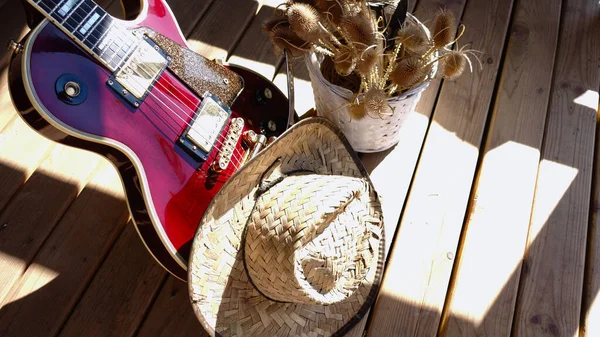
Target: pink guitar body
167, 188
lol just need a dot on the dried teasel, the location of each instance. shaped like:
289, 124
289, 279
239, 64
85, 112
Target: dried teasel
414, 39
283, 37
304, 20
359, 29
366, 61
375, 103
443, 28
453, 64
357, 110
344, 61
409, 71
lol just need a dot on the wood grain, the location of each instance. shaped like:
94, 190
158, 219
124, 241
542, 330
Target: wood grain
213, 39
255, 48
50, 189
552, 281
172, 313
590, 322
189, 13
484, 291
43, 298
121, 292
21, 149
417, 275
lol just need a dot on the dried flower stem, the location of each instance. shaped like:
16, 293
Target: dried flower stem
390, 66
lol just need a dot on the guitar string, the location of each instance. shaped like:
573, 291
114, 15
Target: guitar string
236, 154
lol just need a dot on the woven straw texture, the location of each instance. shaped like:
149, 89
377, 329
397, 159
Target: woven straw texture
371, 133
268, 263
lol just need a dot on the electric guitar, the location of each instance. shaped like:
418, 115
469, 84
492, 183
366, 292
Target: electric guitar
175, 125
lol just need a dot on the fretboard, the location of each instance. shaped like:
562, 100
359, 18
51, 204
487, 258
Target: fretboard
91, 27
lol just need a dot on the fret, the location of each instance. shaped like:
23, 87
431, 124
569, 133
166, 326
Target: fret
92, 32
61, 8
90, 20
76, 16
96, 35
67, 12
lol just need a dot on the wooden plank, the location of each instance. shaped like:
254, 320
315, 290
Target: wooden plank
590, 323
172, 313
255, 49
22, 150
43, 298
124, 287
552, 281
213, 39
414, 288
50, 189
486, 280
189, 13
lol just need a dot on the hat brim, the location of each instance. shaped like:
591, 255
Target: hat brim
224, 300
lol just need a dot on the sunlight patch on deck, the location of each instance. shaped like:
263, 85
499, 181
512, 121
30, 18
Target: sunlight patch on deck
426, 241
501, 218
588, 99
593, 316
265, 69
44, 275
7, 262
548, 195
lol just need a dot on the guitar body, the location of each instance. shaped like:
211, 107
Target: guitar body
167, 189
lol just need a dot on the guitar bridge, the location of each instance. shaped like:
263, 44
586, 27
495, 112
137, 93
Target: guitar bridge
228, 148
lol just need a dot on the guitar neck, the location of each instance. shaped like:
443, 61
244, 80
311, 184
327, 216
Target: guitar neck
91, 27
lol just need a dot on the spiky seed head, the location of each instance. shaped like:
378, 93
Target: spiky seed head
357, 110
344, 61
443, 28
283, 37
375, 102
414, 39
453, 64
331, 9
304, 20
359, 29
366, 61
409, 71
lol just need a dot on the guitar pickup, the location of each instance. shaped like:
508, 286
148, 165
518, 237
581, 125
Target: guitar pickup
205, 127
134, 80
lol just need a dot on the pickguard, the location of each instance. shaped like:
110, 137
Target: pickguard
196, 71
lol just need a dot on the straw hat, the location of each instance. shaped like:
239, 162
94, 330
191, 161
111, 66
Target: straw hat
292, 244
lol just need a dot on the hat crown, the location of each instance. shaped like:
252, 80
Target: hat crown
308, 239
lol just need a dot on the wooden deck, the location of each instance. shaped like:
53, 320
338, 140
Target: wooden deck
491, 196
